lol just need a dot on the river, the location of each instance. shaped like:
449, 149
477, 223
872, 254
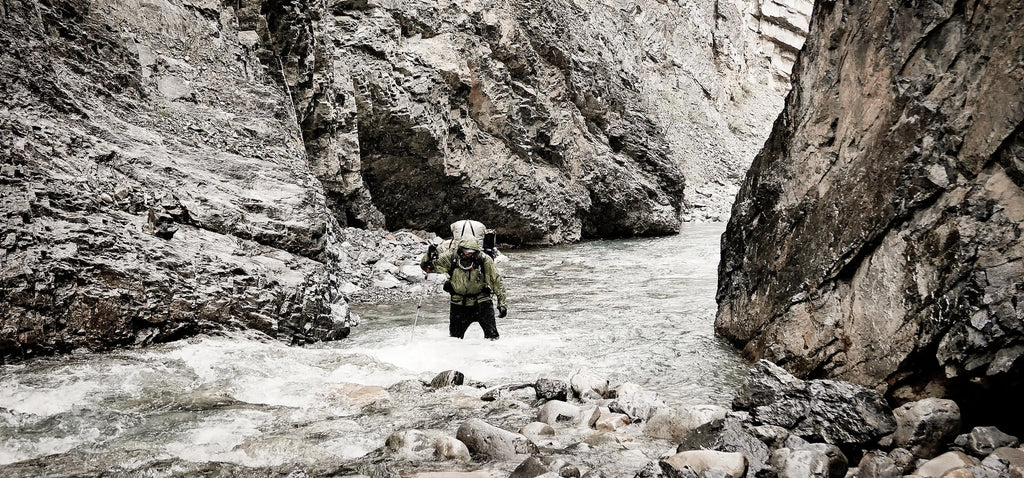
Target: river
637, 310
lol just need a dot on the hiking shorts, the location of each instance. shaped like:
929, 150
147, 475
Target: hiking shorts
461, 316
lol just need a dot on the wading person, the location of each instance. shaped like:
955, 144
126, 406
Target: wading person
472, 279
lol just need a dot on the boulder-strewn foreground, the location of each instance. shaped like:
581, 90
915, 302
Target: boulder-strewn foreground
591, 427
877, 237
172, 166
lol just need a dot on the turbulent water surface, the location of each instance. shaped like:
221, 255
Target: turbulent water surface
636, 311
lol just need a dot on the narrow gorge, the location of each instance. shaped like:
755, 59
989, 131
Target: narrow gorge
212, 215
175, 167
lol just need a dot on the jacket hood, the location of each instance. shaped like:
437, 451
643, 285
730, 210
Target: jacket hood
469, 242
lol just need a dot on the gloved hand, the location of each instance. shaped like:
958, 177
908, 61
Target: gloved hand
502, 311
447, 287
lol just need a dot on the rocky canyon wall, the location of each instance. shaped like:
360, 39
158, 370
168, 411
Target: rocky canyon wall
877, 236
153, 184
550, 121
177, 166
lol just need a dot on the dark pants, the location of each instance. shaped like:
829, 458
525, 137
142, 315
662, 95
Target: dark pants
462, 315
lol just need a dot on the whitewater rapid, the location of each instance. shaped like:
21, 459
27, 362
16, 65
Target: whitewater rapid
638, 310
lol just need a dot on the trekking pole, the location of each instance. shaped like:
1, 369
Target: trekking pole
419, 306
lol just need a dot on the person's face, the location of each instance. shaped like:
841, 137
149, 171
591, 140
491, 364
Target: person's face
467, 253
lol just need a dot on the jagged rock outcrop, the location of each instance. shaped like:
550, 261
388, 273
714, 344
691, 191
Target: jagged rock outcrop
549, 121
877, 236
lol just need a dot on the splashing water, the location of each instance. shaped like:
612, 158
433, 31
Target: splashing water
637, 311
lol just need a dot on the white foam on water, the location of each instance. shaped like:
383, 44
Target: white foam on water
16, 449
258, 372
298, 409
432, 351
217, 438
351, 447
62, 394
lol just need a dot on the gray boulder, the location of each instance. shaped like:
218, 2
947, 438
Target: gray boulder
878, 465
536, 429
640, 406
486, 439
450, 448
1006, 461
926, 427
677, 424
504, 391
940, 465
819, 460
826, 410
410, 443
536, 466
984, 440
556, 411
772, 435
903, 459
586, 384
448, 378
729, 435
698, 462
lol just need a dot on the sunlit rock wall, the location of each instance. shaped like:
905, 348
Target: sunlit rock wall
877, 236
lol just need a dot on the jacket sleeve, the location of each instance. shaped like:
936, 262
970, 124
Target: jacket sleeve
441, 265
493, 278
425, 263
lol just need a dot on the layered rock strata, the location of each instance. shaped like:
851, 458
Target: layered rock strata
877, 236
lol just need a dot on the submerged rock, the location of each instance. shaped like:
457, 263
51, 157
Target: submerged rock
448, 378
548, 389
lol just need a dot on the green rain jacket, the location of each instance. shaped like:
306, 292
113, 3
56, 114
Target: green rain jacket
468, 284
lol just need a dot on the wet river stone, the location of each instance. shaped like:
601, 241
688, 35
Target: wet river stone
486, 439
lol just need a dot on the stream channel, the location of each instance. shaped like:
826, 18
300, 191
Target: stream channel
636, 310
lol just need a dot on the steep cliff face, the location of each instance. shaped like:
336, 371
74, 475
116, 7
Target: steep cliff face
152, 184
877, 237
550, 121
